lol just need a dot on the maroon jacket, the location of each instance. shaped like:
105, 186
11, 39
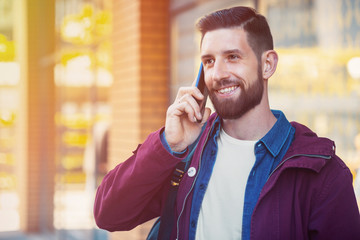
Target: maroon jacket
305, 198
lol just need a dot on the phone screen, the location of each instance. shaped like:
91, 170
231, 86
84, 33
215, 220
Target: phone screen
200, 84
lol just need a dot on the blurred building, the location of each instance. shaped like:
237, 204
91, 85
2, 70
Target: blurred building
81, 79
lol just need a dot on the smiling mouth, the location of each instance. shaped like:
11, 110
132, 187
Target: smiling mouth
227, 90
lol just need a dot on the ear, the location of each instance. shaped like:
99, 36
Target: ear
269, 60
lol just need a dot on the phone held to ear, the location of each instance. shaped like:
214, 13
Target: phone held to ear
200, 84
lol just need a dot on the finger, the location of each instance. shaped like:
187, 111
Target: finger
180, 109
194, 104
206, 115
188, 109
182, 91
192, 91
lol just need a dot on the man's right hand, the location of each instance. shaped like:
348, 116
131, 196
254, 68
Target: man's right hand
182, 127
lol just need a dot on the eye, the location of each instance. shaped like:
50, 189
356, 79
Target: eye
208, 61
233, 57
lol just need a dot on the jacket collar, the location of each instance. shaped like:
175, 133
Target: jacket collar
307, 142
308, 150
275, 139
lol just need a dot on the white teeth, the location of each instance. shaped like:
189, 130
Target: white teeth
227, 90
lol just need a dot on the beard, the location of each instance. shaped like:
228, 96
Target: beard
248, 99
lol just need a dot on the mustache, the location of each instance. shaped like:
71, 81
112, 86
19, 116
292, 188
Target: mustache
229, 82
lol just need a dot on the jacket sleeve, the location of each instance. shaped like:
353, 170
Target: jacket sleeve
335, 212
133, 192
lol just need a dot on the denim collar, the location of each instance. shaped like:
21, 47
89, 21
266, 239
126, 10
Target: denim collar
275, 139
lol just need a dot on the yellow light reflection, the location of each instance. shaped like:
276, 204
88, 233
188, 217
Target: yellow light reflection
7, 49
76, 73
87, 26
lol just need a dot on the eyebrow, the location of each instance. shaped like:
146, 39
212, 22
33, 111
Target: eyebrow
233, 51
227, 52
206, 56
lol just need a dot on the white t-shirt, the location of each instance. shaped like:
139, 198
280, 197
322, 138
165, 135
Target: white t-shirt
221, 211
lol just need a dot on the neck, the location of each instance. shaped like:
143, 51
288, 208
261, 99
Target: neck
253, 125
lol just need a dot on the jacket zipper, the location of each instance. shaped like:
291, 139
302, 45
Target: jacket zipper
193, 184
297, 155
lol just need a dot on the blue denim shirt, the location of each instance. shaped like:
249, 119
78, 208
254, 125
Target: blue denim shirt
269, 152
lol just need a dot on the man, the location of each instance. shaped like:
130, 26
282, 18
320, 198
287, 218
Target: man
253, 175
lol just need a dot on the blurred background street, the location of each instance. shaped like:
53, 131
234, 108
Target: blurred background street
82, 82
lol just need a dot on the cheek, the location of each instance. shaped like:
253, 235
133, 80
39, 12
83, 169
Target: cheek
208, 78
246, 72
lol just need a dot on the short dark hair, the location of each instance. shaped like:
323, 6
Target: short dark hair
254, 24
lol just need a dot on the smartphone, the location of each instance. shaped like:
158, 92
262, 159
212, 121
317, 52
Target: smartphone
200, 84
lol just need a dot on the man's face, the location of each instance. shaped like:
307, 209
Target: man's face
232, 72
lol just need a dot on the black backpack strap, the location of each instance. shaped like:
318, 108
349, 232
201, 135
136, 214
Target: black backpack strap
167, 215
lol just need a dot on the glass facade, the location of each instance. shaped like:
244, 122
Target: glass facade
83, 78
317, 82
9, 107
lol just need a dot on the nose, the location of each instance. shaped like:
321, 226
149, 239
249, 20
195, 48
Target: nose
220, 71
